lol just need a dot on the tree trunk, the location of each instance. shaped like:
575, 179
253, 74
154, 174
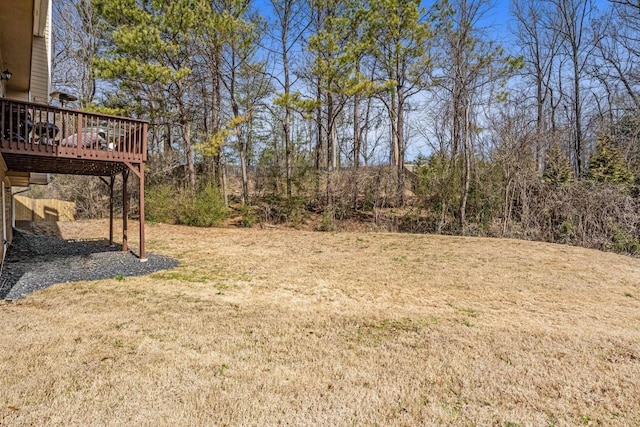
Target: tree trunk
467, 170
243, 168
320, 142
188, 148
577, 109
356, 149
286, 126
400, 147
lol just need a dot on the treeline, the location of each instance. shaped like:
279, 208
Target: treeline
415, 116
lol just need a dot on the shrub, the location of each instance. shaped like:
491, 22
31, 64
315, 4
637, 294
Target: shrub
625, 242
328, 221
160, 204
557, 170
607, 165
281, 210
205, 209
249, 216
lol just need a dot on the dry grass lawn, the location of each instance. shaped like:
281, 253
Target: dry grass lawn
283, 327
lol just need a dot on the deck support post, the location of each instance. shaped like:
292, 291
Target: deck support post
111, 184
125, 211
143, 255
138, 170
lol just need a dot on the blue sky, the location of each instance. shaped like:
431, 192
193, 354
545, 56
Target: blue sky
497, 18
500, 19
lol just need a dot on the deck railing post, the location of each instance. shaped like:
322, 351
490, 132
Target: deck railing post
79, 138
145, 132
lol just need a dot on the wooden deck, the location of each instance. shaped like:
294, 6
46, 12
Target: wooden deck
41, 138
45, 139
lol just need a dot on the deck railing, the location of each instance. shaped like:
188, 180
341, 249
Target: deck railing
42, 130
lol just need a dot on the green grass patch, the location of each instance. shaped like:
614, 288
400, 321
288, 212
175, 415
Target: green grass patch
183, 276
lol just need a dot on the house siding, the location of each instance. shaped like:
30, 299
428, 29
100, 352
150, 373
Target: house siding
2, 82
5, 195
41, 64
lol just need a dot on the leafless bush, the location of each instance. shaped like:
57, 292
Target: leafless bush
365, 188
91, 195
583, 213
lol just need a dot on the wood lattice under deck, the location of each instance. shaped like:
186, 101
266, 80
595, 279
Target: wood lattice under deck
45, 139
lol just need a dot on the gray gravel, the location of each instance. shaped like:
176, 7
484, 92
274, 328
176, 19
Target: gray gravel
34, 262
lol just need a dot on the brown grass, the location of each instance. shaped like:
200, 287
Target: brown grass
279, 327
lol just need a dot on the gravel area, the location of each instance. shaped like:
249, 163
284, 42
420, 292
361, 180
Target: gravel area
34, 262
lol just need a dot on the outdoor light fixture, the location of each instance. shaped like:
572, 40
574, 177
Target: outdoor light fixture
6, 75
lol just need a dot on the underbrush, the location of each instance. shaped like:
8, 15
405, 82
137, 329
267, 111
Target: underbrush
204, 209
583, 214
579, 212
